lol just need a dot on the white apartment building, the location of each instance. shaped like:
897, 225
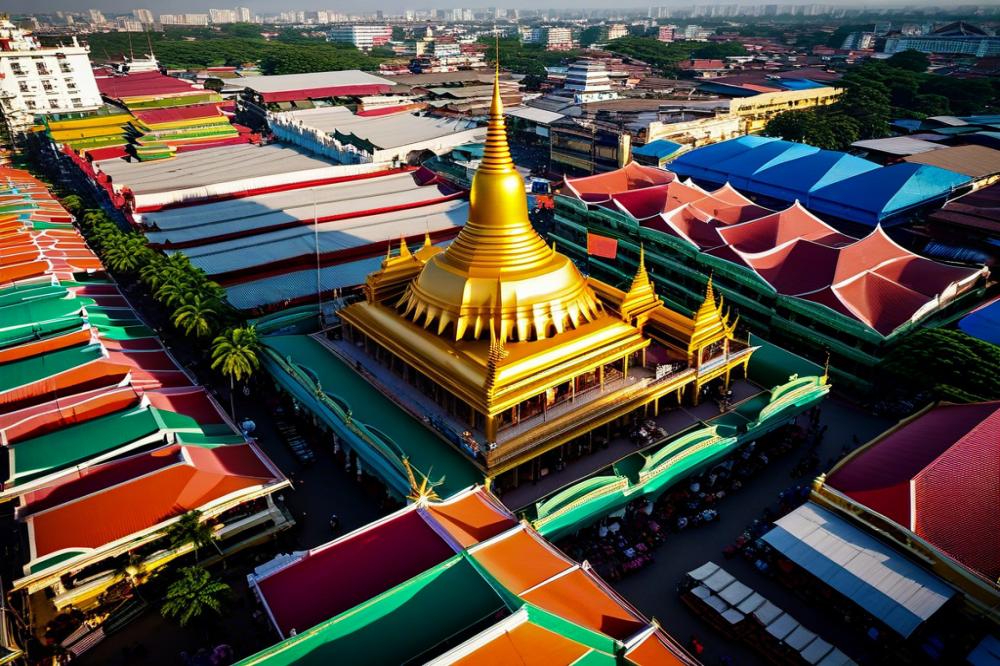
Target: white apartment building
617, 31
143, 16
558, 39
222, 15
244, 15
37, 81
363, 37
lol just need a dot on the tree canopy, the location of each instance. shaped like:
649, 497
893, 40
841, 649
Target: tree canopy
291, 53
662, 56
950, 364
911, 59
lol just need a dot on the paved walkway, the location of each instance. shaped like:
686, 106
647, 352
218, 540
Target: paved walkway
653, 589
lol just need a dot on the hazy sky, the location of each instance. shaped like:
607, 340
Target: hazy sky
348, 6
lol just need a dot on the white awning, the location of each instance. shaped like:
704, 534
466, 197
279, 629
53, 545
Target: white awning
859, 566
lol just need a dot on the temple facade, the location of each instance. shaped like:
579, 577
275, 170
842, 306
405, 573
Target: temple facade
499, 343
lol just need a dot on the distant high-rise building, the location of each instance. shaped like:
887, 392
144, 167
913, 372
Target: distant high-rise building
666, 33
362, 36
170, 19
558, 39
222, 16
244, 15
126, 24
143, 16
96, 17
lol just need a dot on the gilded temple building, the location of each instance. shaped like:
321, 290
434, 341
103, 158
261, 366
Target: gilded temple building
504, 348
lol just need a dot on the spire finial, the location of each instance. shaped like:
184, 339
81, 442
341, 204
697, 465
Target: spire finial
642, 258
496, 155
404, 251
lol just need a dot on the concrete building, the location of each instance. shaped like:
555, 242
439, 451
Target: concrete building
755, 111
558, 39
36, 80
222, 15
617, 31
363, 37
244, 14
666, 33
143, 16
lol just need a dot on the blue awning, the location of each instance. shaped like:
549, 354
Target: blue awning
984, 323
864, 569
659, 149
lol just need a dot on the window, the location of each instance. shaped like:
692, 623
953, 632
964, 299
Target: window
65, 67
76, 101
16, 68
30, 103
70, 85
42, 68
23, 85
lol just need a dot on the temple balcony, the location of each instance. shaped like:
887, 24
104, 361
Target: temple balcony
570, 417
737, 352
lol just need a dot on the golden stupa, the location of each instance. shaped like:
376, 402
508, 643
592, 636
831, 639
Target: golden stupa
498, 271
504, 339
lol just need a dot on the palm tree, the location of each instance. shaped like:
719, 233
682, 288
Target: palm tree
126, 253
235, 355
192, 593
197, 316
191, 529
174, 290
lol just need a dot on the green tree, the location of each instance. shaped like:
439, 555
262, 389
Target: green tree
592, 35
867, 102
73, 204
950, 364
125, 253
192, 594
911, 59
720, 50
191, 529
197, 316
823, 128
932, 105
966, 97
236, 354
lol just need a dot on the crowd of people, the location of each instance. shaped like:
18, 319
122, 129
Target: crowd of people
625, 541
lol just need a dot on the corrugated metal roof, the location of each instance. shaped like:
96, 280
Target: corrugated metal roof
859, 566
974, 161
534, 114
286, 82
898, 145
260, 250
299, 284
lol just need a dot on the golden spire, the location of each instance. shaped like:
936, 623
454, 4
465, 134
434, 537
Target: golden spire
544, 292
404, 251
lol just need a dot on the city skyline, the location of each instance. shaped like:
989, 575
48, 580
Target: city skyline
354, 6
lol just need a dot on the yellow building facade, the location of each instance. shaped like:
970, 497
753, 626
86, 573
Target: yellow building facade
508, 341
754, 112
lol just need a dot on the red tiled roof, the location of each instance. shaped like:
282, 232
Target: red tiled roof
143, 84
939, 476
871, 279
129, 496
630, 177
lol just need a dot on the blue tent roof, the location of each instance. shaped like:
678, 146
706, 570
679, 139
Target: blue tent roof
909, 124
742, 167
800, 84
657, 149
874, 196
701, 163
984, 323
796, 179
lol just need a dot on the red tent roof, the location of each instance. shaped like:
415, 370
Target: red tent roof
339, 575
871, 279
158, 116
938, 475
630, 177
125, 497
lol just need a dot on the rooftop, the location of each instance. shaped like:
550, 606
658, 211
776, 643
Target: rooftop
918, 473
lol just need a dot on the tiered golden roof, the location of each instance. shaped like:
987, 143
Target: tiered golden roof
499, 273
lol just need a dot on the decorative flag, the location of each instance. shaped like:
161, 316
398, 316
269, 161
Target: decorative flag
602, 246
